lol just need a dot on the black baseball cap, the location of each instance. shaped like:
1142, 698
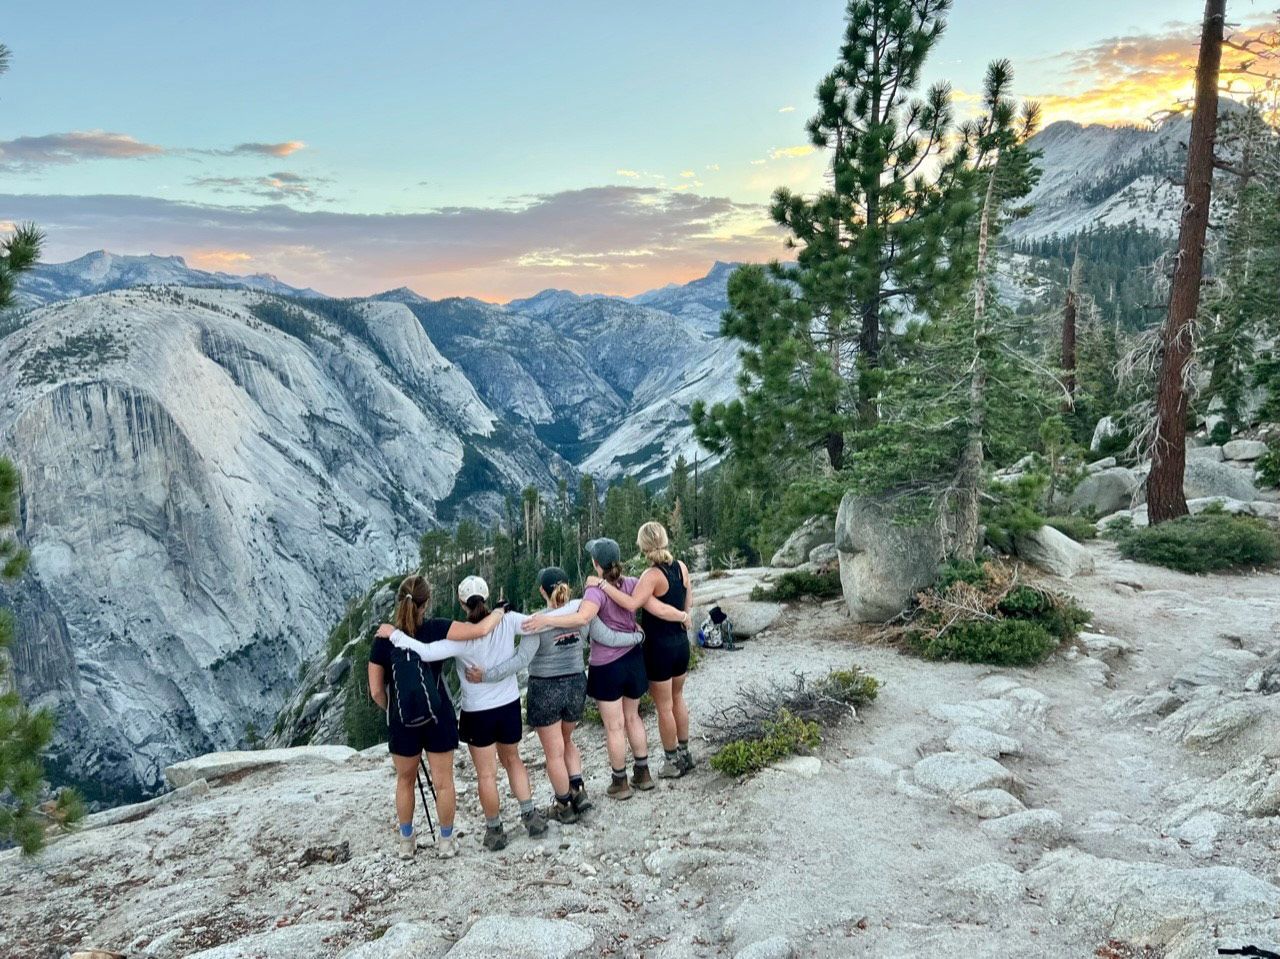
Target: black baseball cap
551, 577
604, 551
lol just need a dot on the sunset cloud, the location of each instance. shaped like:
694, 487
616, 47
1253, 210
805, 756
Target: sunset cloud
630, 174
274, 186
787, 110
644, 236
287, 148
1130, 78
55, 149
802, 150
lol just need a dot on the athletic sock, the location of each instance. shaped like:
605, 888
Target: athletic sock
683, 744
641, 762
564, 800
446, 832
406, 829
493, 822
575, 782
619, 775
526, 806
672, 754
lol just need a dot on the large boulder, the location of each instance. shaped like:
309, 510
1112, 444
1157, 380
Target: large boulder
523, 937
1104, 491
812, 533
1213, 453
1247, 450
1105, 429
883, 561
1054, 552
1204, 478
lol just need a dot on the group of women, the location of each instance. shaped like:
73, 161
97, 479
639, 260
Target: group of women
623, 663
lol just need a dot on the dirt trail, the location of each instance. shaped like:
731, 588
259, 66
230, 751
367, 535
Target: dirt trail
855, 854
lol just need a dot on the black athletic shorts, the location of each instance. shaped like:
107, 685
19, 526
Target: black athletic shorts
438, 737
556, 699
666, 658
488, 726
622, 677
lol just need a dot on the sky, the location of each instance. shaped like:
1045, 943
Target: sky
488, 148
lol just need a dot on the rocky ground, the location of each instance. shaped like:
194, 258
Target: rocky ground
1123, 795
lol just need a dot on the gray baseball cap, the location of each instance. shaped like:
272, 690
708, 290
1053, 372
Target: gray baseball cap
604, 551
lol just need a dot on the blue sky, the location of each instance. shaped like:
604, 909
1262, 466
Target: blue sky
483, 148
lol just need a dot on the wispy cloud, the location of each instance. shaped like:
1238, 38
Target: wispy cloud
629, 174
688, 174
787, 110
713, 167
613, 239
274, 186
287, 148
801, 150
55, 149
1126, 79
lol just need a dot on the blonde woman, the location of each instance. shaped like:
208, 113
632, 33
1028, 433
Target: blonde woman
437, 739
666, 643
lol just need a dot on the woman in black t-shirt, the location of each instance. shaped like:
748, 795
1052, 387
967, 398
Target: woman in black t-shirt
438, 739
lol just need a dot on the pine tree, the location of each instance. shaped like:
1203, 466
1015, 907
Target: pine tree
1165, 497
890, 230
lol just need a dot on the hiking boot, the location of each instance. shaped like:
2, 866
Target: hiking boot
406, 845
685, 760
562, 812
495, 838
581, 802
642, 779
534, 822
447, 847
619, 789
672, 769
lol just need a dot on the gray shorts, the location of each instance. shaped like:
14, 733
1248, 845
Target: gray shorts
555, 700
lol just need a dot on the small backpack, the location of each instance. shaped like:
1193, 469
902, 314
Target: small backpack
417, 695
716, 631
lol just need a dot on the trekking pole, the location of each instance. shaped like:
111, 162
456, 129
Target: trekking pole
426, 807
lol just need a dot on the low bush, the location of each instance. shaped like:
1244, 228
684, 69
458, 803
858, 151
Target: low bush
1077, 527
799, 584
785, 735
1220, 435
1210, 542
999, 642
1268, 466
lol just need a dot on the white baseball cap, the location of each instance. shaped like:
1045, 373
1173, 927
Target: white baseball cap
473, 586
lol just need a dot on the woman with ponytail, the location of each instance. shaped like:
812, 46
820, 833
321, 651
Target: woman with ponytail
438, 739
557, 688
666, 643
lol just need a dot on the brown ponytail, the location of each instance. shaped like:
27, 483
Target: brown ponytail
560, 595
477, 609
412, 600
613, 573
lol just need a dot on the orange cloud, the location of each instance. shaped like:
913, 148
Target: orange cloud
1129, 79
218, 259
269, 149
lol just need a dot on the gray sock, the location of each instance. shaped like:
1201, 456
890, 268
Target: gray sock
526, 806
672, 754
493, 822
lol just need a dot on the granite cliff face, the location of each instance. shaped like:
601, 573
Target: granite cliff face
203, 491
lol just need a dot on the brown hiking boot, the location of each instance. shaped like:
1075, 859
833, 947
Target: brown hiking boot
581, 802
619, 789
642, 779
562, 812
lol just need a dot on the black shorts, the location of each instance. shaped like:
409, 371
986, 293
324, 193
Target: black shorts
557, 699
624, 677
438, 737
666, 658
488, 726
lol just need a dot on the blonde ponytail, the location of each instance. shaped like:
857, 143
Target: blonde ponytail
653, 542
560, 595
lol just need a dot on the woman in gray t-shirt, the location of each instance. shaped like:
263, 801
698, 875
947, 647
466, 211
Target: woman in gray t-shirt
557, 688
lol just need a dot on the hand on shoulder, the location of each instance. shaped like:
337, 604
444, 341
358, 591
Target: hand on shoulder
385, 631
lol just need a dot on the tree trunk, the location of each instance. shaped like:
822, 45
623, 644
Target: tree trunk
1069, 316
1165, 498
968, 481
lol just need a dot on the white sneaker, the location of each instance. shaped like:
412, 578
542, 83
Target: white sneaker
407, 844
447, 848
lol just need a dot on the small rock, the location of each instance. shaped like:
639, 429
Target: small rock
522, 937
1054, 552
993, 883
404, 940
812, 533
989, 803
804, 766
954, 774
1211, 453
1106, 648
872, 766
982, 742
775, 947
1034, 825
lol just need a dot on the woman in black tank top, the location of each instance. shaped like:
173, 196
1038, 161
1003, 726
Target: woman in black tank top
666, 644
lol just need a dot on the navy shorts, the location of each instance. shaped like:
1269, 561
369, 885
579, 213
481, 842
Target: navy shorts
666, 658
438, 737
624, 677
488, 726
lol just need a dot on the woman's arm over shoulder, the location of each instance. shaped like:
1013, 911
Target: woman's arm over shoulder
466, 632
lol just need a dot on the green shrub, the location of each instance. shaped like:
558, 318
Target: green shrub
851, 686
364, 722
798, 584
1210, 542
1220, 434
961, 571
785, 735
1077, 527
1057, 614
999, 642
1014, 509
1118, 527
1268, 466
